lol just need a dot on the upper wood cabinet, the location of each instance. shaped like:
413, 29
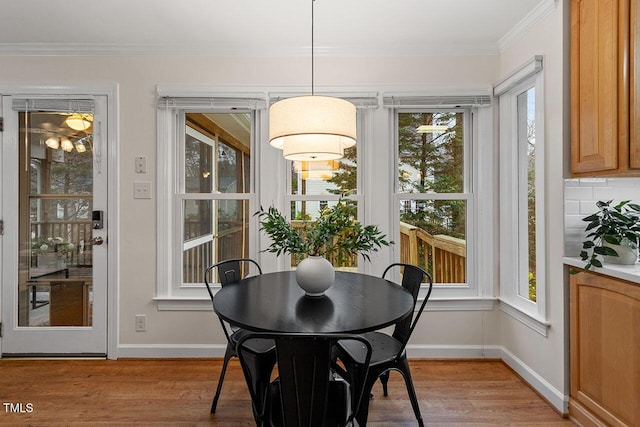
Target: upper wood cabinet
605, 90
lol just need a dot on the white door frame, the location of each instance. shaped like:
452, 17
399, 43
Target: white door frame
111, 91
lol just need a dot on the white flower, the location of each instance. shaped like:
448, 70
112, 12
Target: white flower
44, 247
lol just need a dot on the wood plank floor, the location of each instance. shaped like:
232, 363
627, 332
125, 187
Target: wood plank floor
178, 392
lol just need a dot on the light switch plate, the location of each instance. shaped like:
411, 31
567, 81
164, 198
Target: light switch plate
141, 164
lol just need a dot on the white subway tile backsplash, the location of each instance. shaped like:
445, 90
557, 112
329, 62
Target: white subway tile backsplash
624, 182
572, 249
606, 193
571, 207
587, 207
593, 182
580, 197
578, 193
574, 221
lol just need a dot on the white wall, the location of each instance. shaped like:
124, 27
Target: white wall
138, 76
538, 358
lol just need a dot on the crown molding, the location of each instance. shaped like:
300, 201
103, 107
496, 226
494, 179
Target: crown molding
241, 51
526, 24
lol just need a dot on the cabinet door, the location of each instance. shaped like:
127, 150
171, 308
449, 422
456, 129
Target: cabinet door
634, 143
599, 100
605, 356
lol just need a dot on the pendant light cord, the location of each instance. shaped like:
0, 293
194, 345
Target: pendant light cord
312, 51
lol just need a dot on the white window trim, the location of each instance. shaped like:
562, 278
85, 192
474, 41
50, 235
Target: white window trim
511, 302
375, 186
471, 295
171, 293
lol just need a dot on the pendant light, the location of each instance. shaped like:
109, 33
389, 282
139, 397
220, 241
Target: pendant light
312, 127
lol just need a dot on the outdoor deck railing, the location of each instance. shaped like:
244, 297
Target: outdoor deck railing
444, 257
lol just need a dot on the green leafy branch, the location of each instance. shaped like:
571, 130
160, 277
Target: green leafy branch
335, 234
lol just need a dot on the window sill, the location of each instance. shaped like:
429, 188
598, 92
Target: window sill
184, 303
434, 304
538, 325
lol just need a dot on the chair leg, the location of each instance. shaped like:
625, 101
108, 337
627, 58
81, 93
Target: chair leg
229, 353
384, 379
363, 411
406, 373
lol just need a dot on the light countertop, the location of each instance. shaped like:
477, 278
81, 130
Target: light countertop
630, 273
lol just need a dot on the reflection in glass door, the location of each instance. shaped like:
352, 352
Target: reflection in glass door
55, 286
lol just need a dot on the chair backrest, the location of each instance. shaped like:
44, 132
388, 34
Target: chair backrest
411, 281
307, 396
229, 271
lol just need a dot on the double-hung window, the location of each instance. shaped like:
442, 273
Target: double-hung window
206, 193
435, 198
522, 271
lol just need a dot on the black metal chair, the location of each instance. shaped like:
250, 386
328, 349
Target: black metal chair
232, 271
307, 392
389, 351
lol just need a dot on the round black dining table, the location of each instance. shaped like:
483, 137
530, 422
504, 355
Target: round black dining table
273, 302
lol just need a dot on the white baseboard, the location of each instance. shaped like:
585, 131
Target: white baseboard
418, 351
157, 351
555, 397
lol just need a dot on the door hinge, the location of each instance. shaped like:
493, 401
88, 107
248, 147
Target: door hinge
1, 124
0, 329
1, 227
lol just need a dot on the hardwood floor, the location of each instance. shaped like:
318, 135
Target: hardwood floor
178, 392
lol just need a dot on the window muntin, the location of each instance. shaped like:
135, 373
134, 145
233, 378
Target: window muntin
432, 168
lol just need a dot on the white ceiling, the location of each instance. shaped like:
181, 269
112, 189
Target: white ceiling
263, 27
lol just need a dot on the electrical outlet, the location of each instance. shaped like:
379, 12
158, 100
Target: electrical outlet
141, 322
142, 190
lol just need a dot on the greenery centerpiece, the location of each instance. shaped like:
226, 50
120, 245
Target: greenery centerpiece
336, 235
614, 231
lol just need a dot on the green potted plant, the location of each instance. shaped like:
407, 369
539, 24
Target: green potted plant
335, 235
613, 232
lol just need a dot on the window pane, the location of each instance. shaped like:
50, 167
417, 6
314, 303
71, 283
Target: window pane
433, 236
214, 231
227, 136
325, 177
527, 138
198, 167
431, 152
198, 219
304, 213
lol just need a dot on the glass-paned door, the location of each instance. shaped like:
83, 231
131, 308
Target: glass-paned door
54, 262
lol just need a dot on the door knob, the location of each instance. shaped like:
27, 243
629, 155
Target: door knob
97, 241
